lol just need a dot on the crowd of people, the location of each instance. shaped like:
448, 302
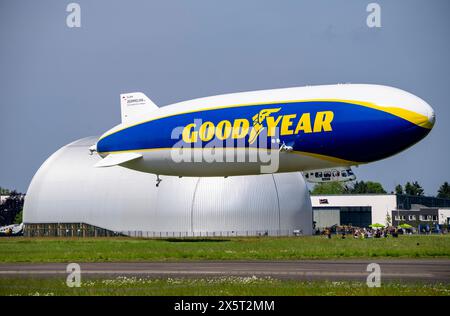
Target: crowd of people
361, 233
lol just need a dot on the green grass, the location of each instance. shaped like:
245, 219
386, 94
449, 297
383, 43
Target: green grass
248, 286
263, 248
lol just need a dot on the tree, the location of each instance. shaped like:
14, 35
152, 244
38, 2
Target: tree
413, 189
388, 219
328, 188
418, 188
444, 191
4, 191
409, 189
399, 189
374, 187
361, 187
358, 187
19, 217
10, 208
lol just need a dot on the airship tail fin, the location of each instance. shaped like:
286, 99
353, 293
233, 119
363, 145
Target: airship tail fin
134, 106
117, 159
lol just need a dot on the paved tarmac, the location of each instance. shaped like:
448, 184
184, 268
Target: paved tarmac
428, 270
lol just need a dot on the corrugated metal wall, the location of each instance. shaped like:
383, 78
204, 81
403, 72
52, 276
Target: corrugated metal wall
236, 204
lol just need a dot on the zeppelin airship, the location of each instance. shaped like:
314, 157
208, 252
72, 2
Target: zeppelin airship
267, 131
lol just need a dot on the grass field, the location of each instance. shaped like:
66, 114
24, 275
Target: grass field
263, 248
247, 286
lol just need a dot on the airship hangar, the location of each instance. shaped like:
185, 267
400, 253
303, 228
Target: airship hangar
69, 197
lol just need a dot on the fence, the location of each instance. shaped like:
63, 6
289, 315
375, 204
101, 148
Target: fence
66, 230
87, 230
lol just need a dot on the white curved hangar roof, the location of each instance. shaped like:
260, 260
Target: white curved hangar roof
68, 189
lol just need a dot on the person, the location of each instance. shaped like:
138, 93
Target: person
395, 233
328, 233
343, 234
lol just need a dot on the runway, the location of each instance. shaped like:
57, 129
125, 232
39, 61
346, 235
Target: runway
429, 270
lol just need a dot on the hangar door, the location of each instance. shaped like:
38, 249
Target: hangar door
359, 216
326, 217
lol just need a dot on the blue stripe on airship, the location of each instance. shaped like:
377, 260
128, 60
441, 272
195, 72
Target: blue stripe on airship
359, 134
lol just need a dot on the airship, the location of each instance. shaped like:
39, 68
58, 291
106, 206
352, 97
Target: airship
300, 128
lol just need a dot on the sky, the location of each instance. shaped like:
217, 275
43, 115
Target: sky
60, 84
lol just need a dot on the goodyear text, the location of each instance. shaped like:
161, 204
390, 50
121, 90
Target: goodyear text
290, 124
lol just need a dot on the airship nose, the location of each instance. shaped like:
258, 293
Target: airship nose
410, 119
426, 115
431, 116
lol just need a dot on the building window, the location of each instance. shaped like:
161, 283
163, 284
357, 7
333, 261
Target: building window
435, 218
397, 218
412, 217
426, 217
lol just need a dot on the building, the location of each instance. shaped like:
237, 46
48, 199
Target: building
364, 209
421, 210
69, 197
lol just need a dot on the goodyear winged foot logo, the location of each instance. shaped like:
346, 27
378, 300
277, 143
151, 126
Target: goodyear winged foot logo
258, 121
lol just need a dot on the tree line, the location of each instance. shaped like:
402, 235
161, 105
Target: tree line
362, 187
4, 191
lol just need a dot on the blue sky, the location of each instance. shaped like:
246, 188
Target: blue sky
59, 84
